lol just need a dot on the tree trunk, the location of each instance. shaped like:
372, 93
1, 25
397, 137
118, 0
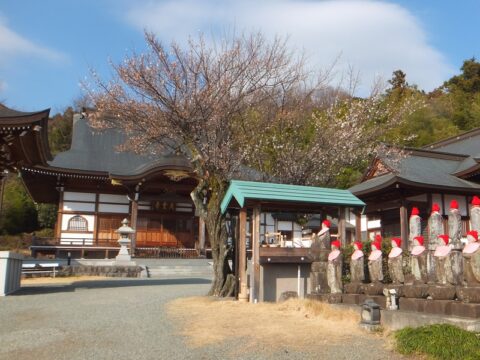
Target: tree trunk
207, 197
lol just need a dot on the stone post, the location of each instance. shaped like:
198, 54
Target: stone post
10, 272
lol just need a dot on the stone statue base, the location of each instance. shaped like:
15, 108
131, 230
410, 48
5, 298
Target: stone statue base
318, 272
417, 291
354, 288
442, 292
456, 258
327, 298
469, 294
375, 288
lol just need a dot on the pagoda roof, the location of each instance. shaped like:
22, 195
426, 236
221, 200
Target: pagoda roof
25, 136
98, 152
240, 192
445, 165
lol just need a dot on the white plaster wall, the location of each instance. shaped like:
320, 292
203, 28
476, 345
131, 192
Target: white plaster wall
76, 206
72, 195
110, 208
284, 225
113, 198
66, 217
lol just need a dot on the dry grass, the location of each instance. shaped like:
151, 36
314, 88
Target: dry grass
61, 280
294, 323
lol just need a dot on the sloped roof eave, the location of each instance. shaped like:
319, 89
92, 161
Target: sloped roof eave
283, 193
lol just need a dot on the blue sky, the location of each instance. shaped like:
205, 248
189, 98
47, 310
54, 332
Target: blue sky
48, 46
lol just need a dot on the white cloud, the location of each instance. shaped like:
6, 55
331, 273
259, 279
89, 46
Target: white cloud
3, 86
13, 45
374, 37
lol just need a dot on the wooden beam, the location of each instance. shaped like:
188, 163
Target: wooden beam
255, 283
358, 226
95, 223
133, 224
404, 225
58, 227
242, 255
342, 226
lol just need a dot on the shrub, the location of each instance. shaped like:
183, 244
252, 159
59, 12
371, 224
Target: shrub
439, 341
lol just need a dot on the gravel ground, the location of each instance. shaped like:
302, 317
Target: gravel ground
125, 319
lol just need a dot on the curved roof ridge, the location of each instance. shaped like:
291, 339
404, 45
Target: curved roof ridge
453, 139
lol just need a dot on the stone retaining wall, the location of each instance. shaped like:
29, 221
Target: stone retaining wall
92, 270
98, 270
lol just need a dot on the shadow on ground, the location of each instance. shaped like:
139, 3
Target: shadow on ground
99, 284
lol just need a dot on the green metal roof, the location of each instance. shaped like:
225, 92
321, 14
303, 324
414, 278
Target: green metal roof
243, 190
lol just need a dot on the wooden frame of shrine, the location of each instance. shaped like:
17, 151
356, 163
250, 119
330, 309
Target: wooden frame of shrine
272, 261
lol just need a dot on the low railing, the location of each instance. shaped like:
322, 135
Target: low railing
42, 241
153, 252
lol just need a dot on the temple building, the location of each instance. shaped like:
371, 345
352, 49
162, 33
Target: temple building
438, 173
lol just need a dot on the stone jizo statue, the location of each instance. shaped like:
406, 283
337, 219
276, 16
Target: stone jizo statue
418, 260
375, 261
455, 225
475, 214
415, 225
443, 263
395, 262
324, 235
471, 258
435, 226
357, 272
334, 269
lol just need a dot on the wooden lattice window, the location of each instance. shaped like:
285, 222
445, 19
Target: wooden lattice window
77, 223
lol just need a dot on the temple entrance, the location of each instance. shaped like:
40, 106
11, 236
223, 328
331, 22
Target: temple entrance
165, 230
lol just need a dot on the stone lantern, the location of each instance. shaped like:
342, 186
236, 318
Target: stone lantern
370, 315
123, 257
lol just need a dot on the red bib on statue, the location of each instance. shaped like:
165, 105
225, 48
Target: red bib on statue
470, 248
333, 255
357, 254
442, 251
375, 255
418, 250
396, 251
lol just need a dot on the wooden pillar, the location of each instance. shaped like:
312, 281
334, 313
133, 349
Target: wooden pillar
201, 235
235, 229
342, 226
58, 225
242, 255
404, 225
358, 226
133, 224
3, 180
255, 276
95, 222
